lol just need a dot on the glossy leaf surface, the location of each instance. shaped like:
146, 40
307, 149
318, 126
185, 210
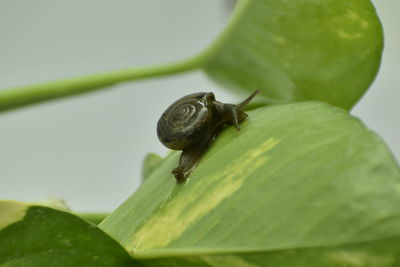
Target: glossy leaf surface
299, 183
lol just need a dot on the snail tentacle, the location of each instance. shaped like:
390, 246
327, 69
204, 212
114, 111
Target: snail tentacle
247, 100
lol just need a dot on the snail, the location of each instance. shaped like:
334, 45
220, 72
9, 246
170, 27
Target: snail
191, 124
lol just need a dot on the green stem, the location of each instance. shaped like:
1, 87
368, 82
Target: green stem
31, 94
26, 95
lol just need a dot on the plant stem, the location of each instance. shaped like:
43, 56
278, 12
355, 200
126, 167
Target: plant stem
31, 94
26, 95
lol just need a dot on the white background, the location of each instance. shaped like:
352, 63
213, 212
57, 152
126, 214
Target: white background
88, 150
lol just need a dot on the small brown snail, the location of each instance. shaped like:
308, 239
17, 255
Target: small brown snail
191, 124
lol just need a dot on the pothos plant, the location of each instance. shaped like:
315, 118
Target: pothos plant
303, 183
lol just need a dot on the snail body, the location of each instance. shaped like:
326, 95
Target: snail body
191, 124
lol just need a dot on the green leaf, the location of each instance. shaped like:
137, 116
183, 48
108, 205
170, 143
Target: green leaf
41, 236
150, 163
92, 217
301, 50
289, 50
302, 181
382, 253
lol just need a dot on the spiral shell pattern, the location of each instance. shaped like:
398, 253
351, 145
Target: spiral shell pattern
185, 122
182, 115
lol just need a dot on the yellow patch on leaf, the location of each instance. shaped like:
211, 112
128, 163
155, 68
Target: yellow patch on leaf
177, 214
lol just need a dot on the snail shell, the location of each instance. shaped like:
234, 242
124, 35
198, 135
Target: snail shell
186, 121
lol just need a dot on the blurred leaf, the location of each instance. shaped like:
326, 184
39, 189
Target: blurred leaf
290, 50
150, 163
299, 184
41, 236
298, 50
